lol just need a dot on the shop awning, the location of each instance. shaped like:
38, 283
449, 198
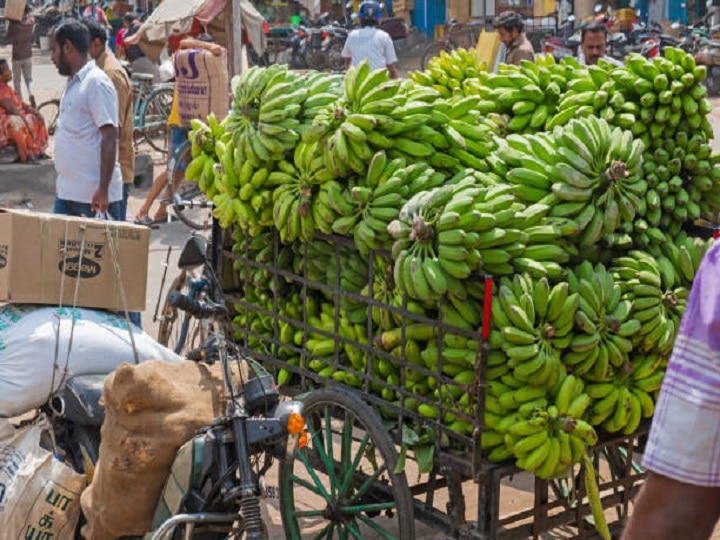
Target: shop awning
176, 16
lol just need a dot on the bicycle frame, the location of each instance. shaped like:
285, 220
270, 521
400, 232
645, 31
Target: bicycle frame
143, 91
198, 288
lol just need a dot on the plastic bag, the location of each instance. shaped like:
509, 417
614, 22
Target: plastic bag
39, 495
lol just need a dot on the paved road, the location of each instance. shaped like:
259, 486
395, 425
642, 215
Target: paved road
48, 84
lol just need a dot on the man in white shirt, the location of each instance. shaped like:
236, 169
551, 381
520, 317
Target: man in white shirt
86, 140
593, 44
369, 42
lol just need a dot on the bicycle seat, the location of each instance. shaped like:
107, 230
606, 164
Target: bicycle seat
143, 77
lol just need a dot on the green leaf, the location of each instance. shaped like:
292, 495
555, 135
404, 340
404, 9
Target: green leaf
424, 456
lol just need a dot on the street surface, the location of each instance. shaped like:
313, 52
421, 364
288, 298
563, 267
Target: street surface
517, 494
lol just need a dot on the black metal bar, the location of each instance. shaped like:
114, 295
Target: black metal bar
463, 459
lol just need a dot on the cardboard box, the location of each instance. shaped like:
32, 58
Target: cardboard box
15, 9
36, 247
201, 81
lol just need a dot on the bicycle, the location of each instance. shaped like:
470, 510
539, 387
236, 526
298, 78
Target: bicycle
50, 111
151, 109
466, 37
179, 330
195, 214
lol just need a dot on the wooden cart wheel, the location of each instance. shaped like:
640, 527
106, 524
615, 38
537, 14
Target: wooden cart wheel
343, 484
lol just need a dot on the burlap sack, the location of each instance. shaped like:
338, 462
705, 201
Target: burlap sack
151, 409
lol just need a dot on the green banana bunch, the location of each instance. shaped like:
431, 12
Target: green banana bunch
658, 300
526, 95
603, 325
451, 73
298, 199
533, 325
544, 441
264, 116
323, 90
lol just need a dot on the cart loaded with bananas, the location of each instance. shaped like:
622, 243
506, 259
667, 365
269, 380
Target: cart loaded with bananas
495, 264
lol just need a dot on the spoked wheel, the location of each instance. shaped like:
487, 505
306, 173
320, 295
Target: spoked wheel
196, 218
50, 111
433, 50
343, 484
155, 116
177, 330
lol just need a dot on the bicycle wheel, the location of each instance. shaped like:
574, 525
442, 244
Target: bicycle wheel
177, 330
432, 50
50, 111
195, 218
344, 484
155, 116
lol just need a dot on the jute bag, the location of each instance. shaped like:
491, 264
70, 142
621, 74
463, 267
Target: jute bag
151, 410
39, 495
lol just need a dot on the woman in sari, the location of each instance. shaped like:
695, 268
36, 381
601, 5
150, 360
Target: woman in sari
20, 124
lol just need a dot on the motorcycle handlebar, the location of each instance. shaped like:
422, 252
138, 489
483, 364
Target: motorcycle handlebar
198, 309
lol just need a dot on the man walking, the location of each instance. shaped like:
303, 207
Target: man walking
511, 30
369, 42
107, 61
19, 33
88, 174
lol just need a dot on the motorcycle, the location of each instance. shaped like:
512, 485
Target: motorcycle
708, 55
320, 46
226, 470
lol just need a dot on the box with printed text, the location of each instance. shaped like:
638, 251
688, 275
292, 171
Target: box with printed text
53, 259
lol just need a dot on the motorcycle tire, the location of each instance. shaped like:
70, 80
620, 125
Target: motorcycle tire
316, 60
335, 57
298, 61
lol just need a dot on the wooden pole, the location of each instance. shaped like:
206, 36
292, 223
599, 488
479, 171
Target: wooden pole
233, 33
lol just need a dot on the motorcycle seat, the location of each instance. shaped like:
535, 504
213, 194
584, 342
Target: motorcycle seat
82, 399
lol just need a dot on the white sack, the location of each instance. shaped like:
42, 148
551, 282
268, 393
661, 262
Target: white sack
100, 343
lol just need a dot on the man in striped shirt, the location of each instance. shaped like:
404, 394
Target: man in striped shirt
681, 498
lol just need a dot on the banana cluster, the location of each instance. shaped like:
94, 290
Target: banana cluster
298, 208
545, 439
593, 175
534, 323
664, 104
259, 248
526, 95
604, 328
264, 116
406, 120
335, 266
377, 199
203, 137
459, 71
658, 300
619, 405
